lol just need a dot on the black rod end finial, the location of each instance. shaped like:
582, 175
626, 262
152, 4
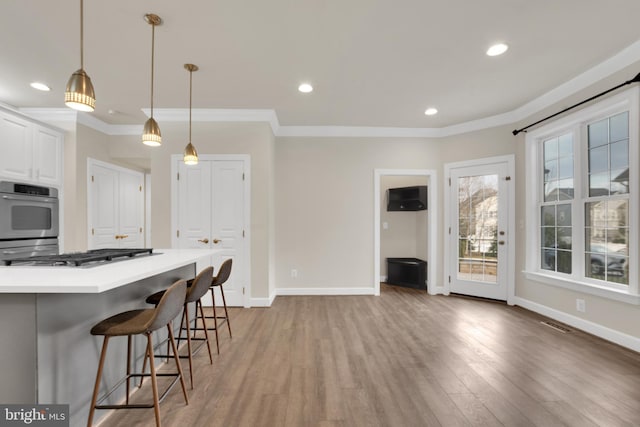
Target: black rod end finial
636, 79
516, 132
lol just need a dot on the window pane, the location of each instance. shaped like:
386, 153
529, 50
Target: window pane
549, 215
619, 127
548, 259
549, 237
599, 184
550, 170
564, 238
565, 145
598, 133
564, 262
620, 154
607, 241
565, 167
564, 215
599, 159
619, 181
565, 189
551, 149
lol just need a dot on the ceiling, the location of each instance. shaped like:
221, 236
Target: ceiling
372, 63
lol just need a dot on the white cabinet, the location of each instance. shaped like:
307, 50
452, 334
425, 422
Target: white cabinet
116, 206
29, 152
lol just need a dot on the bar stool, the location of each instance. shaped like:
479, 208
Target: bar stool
141, 322
195, 291
217, 282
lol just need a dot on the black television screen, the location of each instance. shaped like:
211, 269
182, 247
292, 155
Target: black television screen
407, 198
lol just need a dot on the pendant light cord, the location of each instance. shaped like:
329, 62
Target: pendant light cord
81, 35
153, 43
190, 96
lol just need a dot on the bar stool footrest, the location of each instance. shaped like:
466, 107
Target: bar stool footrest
138, 405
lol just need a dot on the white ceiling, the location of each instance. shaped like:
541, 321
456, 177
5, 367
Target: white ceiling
372, 63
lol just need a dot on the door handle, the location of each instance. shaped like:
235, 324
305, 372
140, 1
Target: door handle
216, 241
205, 240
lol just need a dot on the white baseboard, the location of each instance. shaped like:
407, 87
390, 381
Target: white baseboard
263, 302
620, 338
324, 291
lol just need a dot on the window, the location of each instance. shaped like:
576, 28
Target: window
582, 230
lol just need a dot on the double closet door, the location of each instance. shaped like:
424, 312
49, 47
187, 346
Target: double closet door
116, 206
211, 214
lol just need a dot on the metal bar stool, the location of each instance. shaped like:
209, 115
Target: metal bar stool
217, 282
141, 322
195, 291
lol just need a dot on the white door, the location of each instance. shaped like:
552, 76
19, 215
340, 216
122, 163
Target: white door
211, 214
104, 207
116, 212
479, 230
130, 213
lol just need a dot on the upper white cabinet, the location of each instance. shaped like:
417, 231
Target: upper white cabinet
29, 152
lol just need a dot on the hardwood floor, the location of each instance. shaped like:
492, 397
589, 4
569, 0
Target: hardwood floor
402, 359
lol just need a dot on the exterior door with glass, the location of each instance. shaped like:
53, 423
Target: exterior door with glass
479, 230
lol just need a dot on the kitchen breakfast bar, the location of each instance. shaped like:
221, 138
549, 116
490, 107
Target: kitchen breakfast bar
47, 354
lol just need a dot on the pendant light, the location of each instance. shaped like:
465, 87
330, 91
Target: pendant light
151, 133
79, 94
190, 153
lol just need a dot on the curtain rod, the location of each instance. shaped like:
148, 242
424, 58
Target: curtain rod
636, 79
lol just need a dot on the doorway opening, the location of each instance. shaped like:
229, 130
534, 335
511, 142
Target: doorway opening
424, 225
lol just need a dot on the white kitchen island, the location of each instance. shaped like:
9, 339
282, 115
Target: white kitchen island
47, 354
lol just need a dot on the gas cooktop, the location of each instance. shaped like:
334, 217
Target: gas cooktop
89, 258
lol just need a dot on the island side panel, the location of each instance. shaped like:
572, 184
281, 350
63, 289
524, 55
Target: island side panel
68, 354
18, 349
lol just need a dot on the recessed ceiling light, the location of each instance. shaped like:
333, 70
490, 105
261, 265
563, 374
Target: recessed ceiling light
40, 86
497, 49
305, 88
431, 111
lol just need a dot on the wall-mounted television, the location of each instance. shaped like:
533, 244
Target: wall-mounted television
407, 198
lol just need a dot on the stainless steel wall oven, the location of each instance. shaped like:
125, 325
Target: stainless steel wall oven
29, 220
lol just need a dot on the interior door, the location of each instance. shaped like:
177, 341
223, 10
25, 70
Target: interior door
228, 224
479, 230
116, 198
130, 214
211, 215
104, 207
194, 205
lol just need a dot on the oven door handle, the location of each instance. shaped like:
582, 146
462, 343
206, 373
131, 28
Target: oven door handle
28, 198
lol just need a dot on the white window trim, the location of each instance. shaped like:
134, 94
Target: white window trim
627, 100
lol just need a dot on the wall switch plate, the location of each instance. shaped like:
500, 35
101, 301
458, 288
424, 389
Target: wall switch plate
581, 306
385, 225
294, 273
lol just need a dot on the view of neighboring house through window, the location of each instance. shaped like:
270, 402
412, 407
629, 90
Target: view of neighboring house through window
478, 228
556, 236
607, 206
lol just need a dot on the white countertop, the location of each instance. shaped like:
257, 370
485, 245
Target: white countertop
42, 279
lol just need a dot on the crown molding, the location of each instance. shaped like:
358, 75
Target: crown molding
215, 115
617, 62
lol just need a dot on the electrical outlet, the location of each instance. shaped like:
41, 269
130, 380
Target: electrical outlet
294, 273
581, 306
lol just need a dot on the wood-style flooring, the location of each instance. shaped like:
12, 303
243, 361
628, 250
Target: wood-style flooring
402, 359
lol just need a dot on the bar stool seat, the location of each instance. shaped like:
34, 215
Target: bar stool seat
141, 322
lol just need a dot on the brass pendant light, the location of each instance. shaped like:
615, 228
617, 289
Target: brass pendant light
79, 94
190, 153
151, 134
